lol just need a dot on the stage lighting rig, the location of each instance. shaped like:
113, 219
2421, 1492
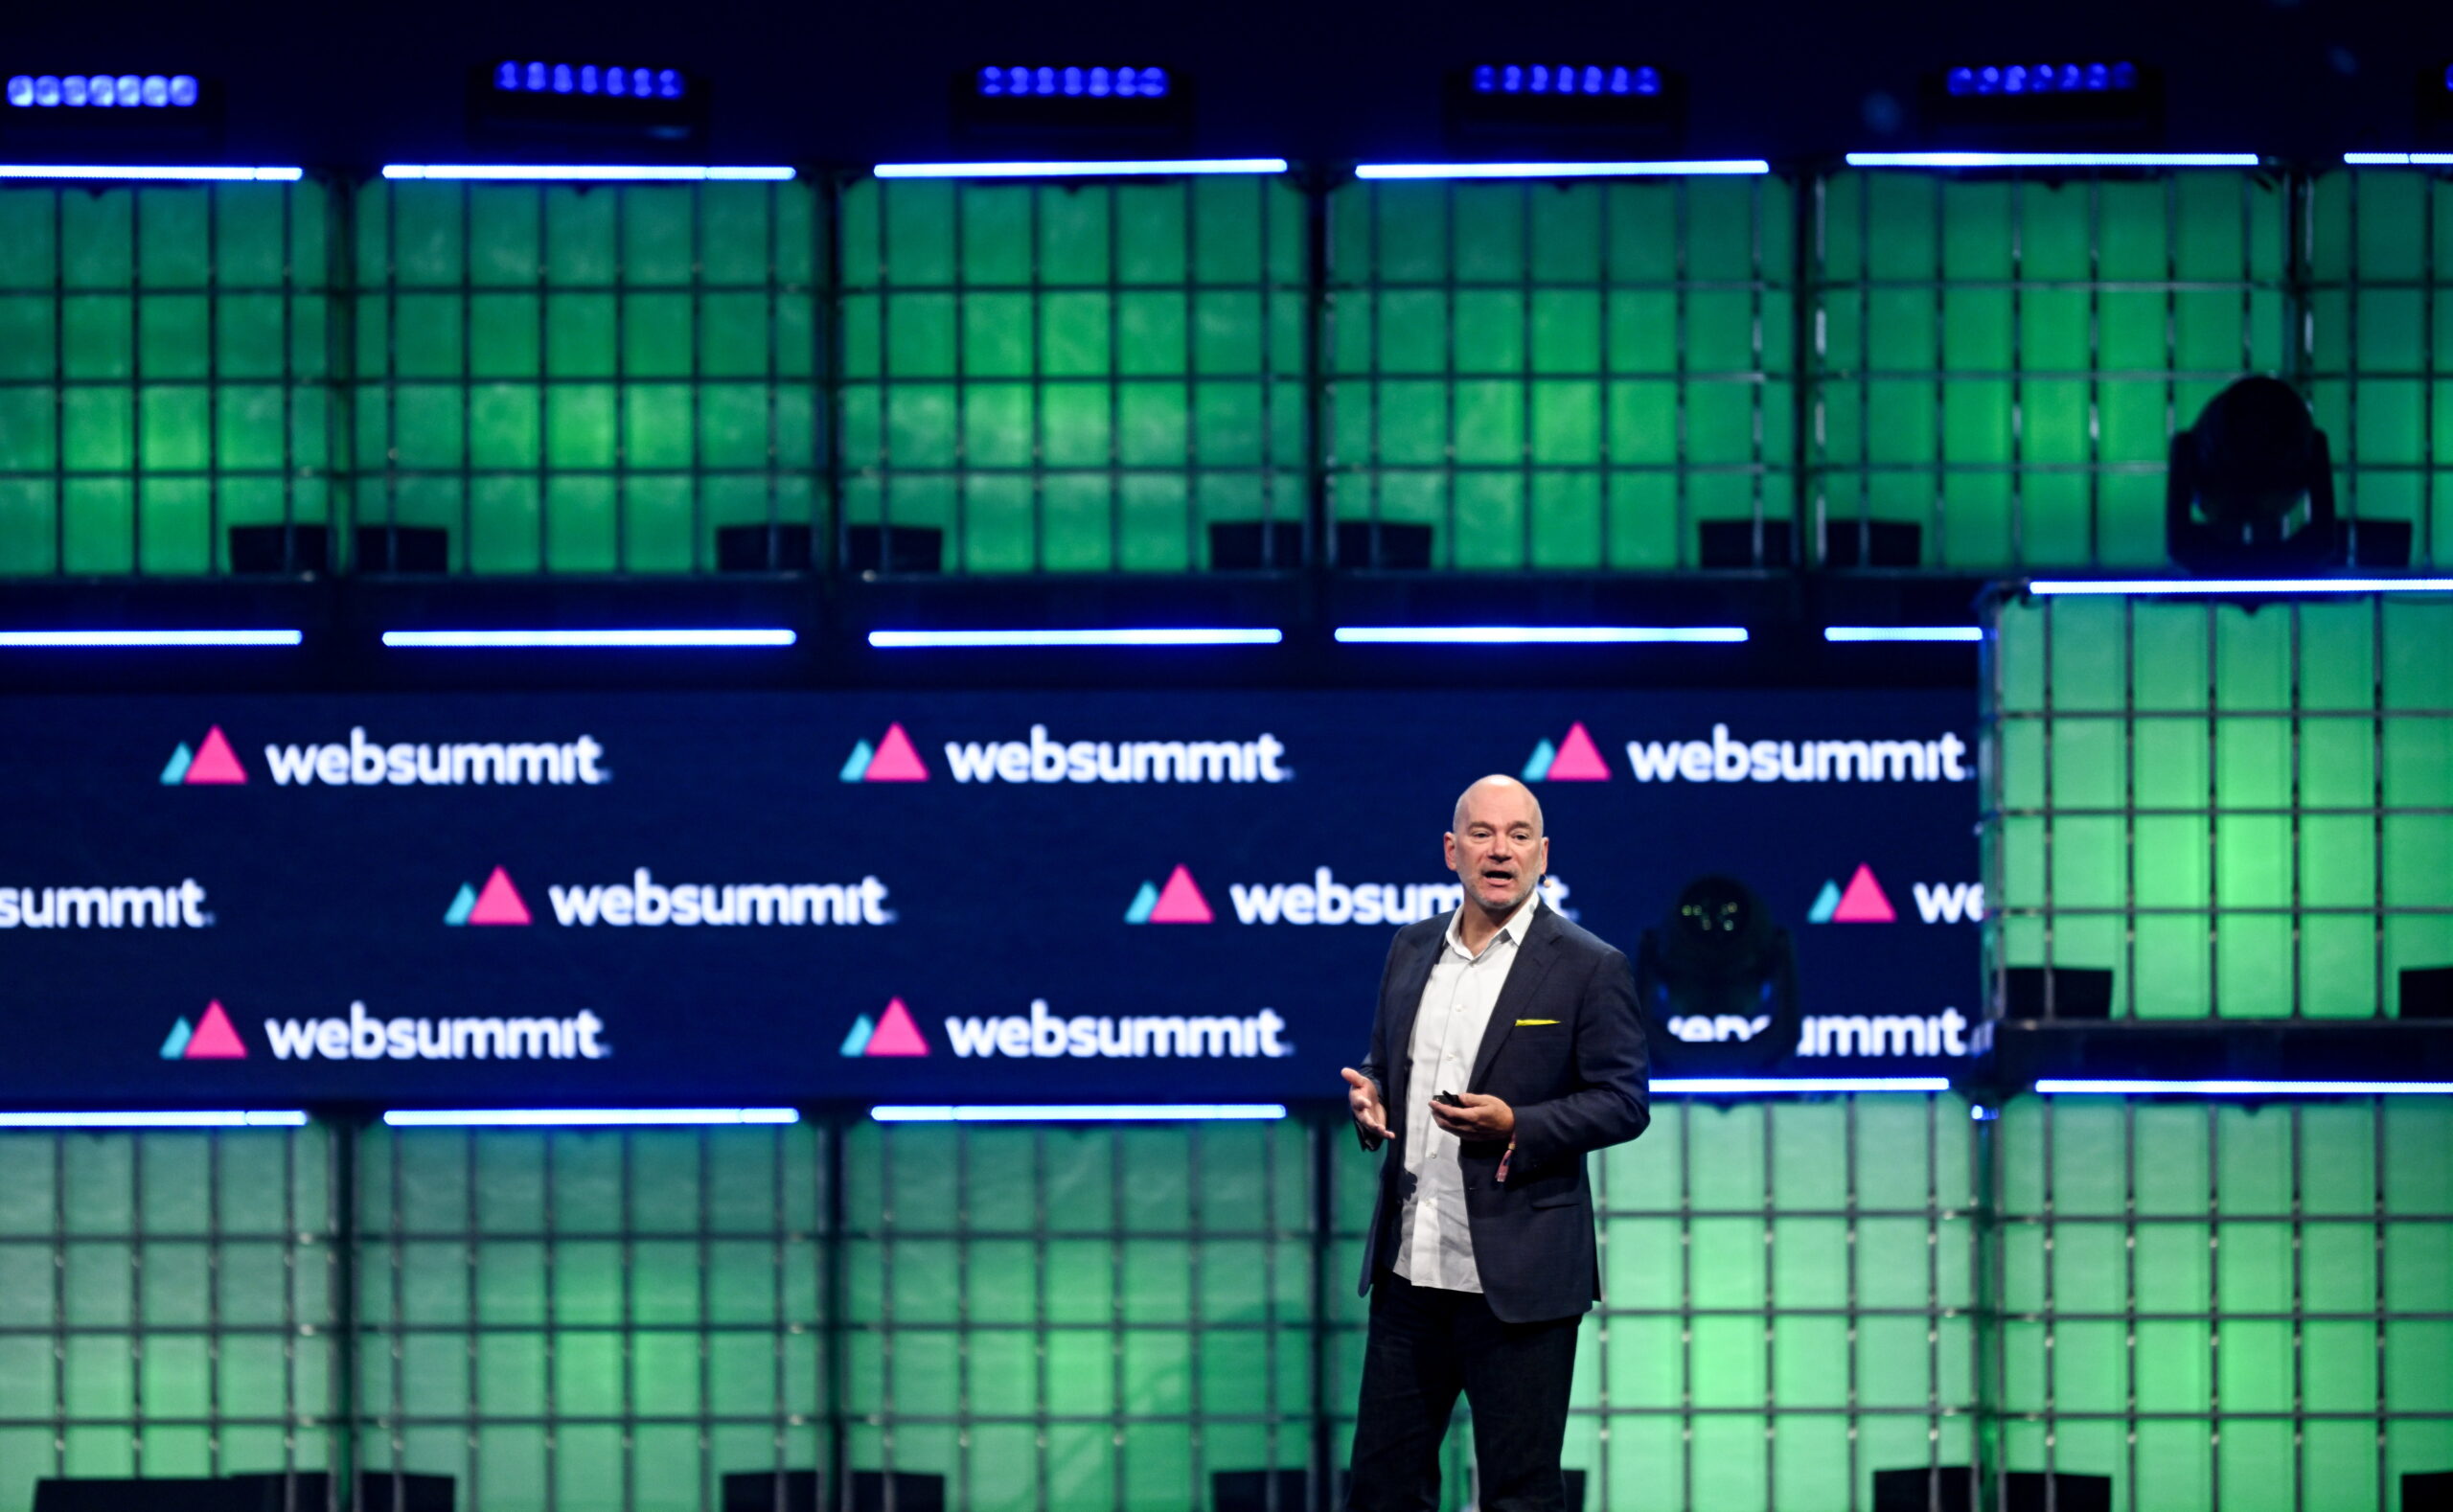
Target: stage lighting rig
1068, 96
2251, 488
2056, 95
1563, 95
591, 98
1717, 982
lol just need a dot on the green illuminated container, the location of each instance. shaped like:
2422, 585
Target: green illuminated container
588, 378
1079, 378
2227, 1307
165, 358
165, 1303
2239, 814
2000, 361
1070, 1317
573, 1320
2380, 252
1561, 376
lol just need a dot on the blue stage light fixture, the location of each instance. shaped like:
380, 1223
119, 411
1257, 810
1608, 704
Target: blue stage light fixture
1071, 1112
537, 78
585, 173
903, 640
1901, 634
173, 172
2052, 1086
497, 639
1085, 168
2397, 159
104, 91
580, 1118
1676, 169
153, 637
2236, 587
1564, 79
2053, 160
176, 1118
1556, 94
1106, 97
1775, 1086
2048, 93
663, 102
1538, 635
1124, 81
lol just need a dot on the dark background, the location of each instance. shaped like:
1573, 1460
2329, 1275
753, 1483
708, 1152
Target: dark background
843, 84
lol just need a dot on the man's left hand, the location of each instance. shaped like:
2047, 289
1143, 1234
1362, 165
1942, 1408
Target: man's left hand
1483, 1117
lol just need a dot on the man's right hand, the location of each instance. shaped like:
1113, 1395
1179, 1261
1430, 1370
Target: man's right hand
1363, 1099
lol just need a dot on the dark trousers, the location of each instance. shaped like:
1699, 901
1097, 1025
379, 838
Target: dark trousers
1426, 1345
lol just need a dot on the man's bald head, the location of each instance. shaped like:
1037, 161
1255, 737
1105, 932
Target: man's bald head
1502, 790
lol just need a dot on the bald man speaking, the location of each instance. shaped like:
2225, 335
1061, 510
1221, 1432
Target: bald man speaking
1505, 1049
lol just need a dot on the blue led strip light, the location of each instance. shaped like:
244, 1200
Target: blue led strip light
2052, 1086
2053, 160
1847, 634
1044, 82
2048, 587
505, 638
2023, 80
153, 173
1072, 1112
2397, 159
609, 82
586, 172
103, 91
890, 639
153, 637
1088, 168
580, 1118
1676, 1086
1538, 635
254, 1118
1566, 80
1673, 168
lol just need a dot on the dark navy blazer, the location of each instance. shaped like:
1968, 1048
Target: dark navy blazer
1576, 1086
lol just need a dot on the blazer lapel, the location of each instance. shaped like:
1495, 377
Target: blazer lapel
1407, 987
1523, 978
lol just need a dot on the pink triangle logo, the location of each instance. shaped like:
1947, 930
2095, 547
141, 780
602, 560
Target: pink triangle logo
1578, 760
1181, 902
215, 1037
1864, 902
499, 901
896, 1033
214, 761
897, 760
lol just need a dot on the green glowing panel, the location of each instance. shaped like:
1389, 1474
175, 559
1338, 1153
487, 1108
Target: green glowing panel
2243, 810
2000, 362
163, 372
1561, 376
587, 379
1075, 379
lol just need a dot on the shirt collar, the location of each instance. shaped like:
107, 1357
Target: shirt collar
1518, 923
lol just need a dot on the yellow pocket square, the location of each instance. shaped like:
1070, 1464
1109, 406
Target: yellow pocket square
1523, 1022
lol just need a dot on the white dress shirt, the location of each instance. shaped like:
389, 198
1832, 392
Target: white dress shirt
1435, 1243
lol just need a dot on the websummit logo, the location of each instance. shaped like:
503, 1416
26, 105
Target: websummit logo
499, 901
212, 764
892, 759
1861, 901
213, 1037
895, 1033
1573, 759
1180, 901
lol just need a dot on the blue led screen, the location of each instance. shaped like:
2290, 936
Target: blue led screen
582, 900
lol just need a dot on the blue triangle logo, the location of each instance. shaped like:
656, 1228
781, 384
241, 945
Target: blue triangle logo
856, 766
1537, 765
177, 772
461, 905
1143, 901
856, 1042
1827, 902
176, 1048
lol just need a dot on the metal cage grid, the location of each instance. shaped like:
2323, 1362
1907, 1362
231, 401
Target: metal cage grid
2239, 810
1075, 377
588, 378
607, 1319
1080, 1318
2000, 362
1562, 375
2379, 247
166, 365
2243, 1307
167, 1303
